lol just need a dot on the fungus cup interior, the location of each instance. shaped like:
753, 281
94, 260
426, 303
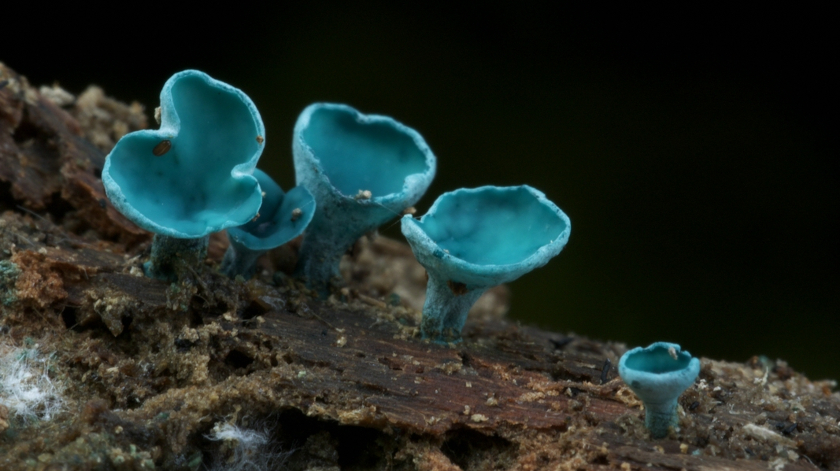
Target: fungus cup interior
363, 153
266, 224
657, 360
276, 225
190, 187
492, 226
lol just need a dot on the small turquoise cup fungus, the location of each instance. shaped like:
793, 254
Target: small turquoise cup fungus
192, 176
362, 170
474, 239
658, 374
282, 217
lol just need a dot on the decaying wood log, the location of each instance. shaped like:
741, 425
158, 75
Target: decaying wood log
146, 370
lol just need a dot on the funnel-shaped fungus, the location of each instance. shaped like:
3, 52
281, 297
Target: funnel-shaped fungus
362, 170
282, 217
658, 374
474, 239
192, 176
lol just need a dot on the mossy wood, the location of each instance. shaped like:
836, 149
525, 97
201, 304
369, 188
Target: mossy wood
148, 368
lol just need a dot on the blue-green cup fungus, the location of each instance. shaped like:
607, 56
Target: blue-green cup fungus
473, 239
362, 170
658, 375
192, 176
282, 217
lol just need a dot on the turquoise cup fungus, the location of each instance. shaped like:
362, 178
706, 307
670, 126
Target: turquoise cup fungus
362, 170
473, 239
658, 374
192, 176
282, 217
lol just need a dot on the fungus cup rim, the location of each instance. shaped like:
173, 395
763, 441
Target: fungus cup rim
410, 181
474, 273
659, 386
169, 128
247, 239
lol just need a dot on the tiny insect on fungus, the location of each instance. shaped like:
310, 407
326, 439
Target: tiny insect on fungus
162, 147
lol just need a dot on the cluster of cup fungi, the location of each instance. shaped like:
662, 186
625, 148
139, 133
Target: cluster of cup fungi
197, 174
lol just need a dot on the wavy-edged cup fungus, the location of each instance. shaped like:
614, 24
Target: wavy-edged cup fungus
362, 170
282, 217
473, 239
659, 374
191, 177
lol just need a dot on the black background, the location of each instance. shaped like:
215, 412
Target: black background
694, 150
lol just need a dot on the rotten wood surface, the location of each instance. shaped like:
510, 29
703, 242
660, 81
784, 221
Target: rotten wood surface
148, 368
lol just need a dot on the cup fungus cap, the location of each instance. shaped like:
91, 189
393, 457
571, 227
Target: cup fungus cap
655, 375
340, 151
487, 236
192, 176
282, 217
362, 170
659, 374
473, 239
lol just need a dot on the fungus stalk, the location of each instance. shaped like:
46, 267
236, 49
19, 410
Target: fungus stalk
171, 257
320, 256
240, 260
446, 308
660, 416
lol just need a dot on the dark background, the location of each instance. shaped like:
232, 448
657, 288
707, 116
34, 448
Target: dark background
694, 151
